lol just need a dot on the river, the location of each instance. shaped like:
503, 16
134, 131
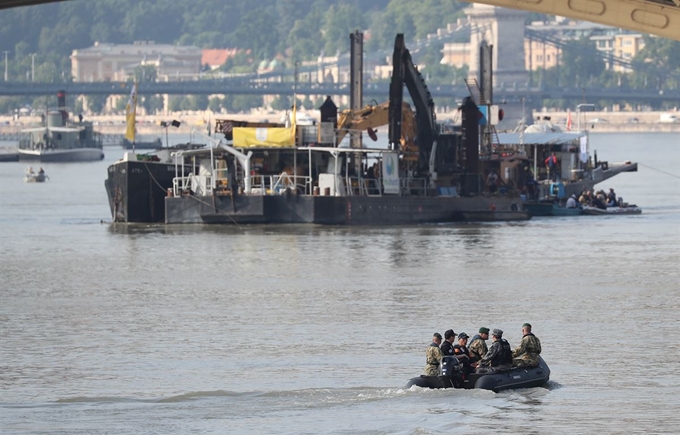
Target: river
311, 329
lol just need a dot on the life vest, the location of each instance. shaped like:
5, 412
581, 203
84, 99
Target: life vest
460, 350
504, 356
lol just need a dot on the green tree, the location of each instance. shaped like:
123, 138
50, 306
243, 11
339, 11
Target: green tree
151, 103
339, 21
215, 104
581, 63
175, 103
145, 74
96, 103
281, 102
251, 33
243, 103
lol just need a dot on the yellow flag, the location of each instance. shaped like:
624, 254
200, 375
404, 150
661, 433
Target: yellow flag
130, 115
248, 137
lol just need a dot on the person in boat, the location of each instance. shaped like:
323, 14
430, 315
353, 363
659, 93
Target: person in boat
571, 202
597, 202
530, 182
499, 356
461, 352
551, 165
478, 345
611, 198
526, 354
41, 171
583, 199
447, 345
433, 356
492, 181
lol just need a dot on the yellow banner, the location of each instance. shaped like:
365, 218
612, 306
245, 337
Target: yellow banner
245, 137
130, 110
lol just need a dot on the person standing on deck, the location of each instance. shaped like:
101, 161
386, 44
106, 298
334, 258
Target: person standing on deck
433, 356
551, 164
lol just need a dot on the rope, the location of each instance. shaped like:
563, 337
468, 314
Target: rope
659, 170
154, 178
203, 202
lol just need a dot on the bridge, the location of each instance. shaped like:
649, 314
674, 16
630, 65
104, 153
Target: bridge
378, 91
656, 17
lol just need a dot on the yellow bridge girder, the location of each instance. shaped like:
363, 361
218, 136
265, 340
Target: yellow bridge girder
656, 17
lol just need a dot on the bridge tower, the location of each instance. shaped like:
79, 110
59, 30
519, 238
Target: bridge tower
504, 29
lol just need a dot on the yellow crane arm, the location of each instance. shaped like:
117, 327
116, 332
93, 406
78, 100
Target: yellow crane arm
372, 116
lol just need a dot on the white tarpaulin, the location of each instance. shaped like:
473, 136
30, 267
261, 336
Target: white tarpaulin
390, 172
584, 148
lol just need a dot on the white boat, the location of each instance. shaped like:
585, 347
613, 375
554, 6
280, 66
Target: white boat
629, 209
32, 177
57, 141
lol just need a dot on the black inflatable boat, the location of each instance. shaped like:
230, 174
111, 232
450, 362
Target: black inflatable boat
453, 377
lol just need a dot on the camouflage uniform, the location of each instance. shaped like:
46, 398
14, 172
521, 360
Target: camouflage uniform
433, 357
526, 354
478, 348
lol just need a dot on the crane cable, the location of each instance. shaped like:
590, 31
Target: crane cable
659, 170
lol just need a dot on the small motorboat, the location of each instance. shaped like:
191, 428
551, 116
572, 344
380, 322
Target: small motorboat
453, 377
624, 209
32, 177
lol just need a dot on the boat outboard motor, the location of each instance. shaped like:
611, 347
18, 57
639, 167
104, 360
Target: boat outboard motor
451, 376
451, 366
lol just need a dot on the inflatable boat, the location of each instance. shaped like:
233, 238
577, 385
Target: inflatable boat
630, 209
453, 377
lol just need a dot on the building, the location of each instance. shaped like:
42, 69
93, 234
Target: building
214, 58
627, 46
541, 42
117, 62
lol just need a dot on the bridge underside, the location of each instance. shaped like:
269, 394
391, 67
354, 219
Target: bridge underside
6, 4
656, 17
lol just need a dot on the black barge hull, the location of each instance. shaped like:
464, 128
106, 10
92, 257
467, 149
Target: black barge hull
137, 190
340, 210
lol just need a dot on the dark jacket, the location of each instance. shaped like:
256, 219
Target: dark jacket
500, 353
447, 348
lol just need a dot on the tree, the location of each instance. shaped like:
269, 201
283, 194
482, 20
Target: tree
151, 103
581, 63
243, 103
338, 22
96, 103
281, 102
215, 104
661, 62
146, 74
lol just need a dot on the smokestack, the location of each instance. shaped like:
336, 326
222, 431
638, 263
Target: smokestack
61, 105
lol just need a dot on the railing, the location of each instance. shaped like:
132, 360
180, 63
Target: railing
275, 184
413, 186
195, 184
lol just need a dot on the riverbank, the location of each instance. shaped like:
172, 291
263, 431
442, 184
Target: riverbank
597, 122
